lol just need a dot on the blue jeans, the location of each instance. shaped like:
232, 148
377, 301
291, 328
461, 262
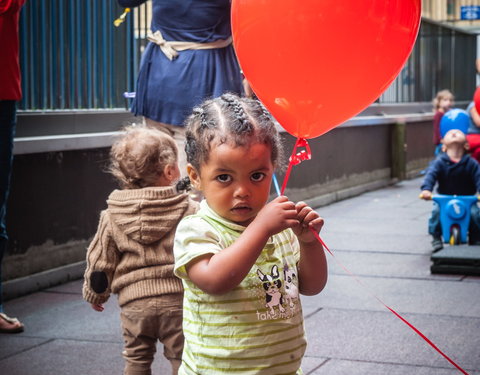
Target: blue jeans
435, 228
8, 120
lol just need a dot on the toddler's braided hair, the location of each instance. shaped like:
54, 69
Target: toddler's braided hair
230, 119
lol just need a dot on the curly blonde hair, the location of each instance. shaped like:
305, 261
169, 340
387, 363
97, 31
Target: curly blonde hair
138, 158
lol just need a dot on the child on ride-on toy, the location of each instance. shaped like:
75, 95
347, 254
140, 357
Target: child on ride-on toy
456, 174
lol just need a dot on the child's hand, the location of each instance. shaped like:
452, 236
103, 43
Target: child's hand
276, 216
308, 219
425, 194
97, 306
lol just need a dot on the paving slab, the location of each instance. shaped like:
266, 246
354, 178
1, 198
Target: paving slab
77, 319
430, 297
74, 287
372, 226
64, 335
13, 344
311, 364
415, 243
72, 357
383, 201
345, 367
382, 264
379, 337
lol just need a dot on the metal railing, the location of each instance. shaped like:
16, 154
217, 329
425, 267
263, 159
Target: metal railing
443, 58
73, 57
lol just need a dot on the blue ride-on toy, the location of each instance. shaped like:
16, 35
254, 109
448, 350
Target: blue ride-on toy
455, 216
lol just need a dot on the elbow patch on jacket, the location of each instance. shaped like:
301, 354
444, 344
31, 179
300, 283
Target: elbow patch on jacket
98, 281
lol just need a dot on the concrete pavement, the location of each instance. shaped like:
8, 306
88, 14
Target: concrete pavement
380, 236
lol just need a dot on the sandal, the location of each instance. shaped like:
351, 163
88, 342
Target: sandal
13, 325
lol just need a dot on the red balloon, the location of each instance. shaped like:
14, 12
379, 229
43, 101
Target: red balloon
317, 63
476, 99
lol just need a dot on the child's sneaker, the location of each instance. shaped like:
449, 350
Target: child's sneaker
437, 244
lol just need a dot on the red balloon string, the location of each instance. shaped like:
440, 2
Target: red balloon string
297, 158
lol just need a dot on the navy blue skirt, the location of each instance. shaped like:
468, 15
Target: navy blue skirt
168, 90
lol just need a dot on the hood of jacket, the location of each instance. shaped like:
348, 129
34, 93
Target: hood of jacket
147, 215
451, 163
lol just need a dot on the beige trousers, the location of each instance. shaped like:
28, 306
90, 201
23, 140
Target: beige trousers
143, 323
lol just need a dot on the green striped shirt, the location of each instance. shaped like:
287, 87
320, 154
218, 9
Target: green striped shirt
257, 328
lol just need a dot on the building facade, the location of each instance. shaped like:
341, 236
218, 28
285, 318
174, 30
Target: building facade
459, 13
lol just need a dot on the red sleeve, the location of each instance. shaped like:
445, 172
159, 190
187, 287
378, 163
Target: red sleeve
10, 89
7, 5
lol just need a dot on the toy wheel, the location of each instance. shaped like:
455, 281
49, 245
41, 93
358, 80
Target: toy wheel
455, 236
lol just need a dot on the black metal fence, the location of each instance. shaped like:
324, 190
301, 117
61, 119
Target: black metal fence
443, 58
73, 57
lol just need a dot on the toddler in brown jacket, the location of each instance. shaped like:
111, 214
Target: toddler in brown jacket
131, 254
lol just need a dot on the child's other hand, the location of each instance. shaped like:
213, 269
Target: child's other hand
308, 219
425, 194
97, 306
277, 215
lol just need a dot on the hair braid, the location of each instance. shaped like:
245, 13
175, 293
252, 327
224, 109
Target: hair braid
239, 113
229, 119
199, 112
265, 112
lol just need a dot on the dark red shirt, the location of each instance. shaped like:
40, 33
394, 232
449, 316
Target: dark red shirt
10, 88
436, 127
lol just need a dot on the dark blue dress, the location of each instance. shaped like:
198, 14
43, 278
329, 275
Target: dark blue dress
168, 90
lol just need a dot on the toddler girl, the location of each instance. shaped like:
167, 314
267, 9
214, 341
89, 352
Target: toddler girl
243, 261
132, 252
442, 103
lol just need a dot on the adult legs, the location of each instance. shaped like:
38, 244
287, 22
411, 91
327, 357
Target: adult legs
7, 133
